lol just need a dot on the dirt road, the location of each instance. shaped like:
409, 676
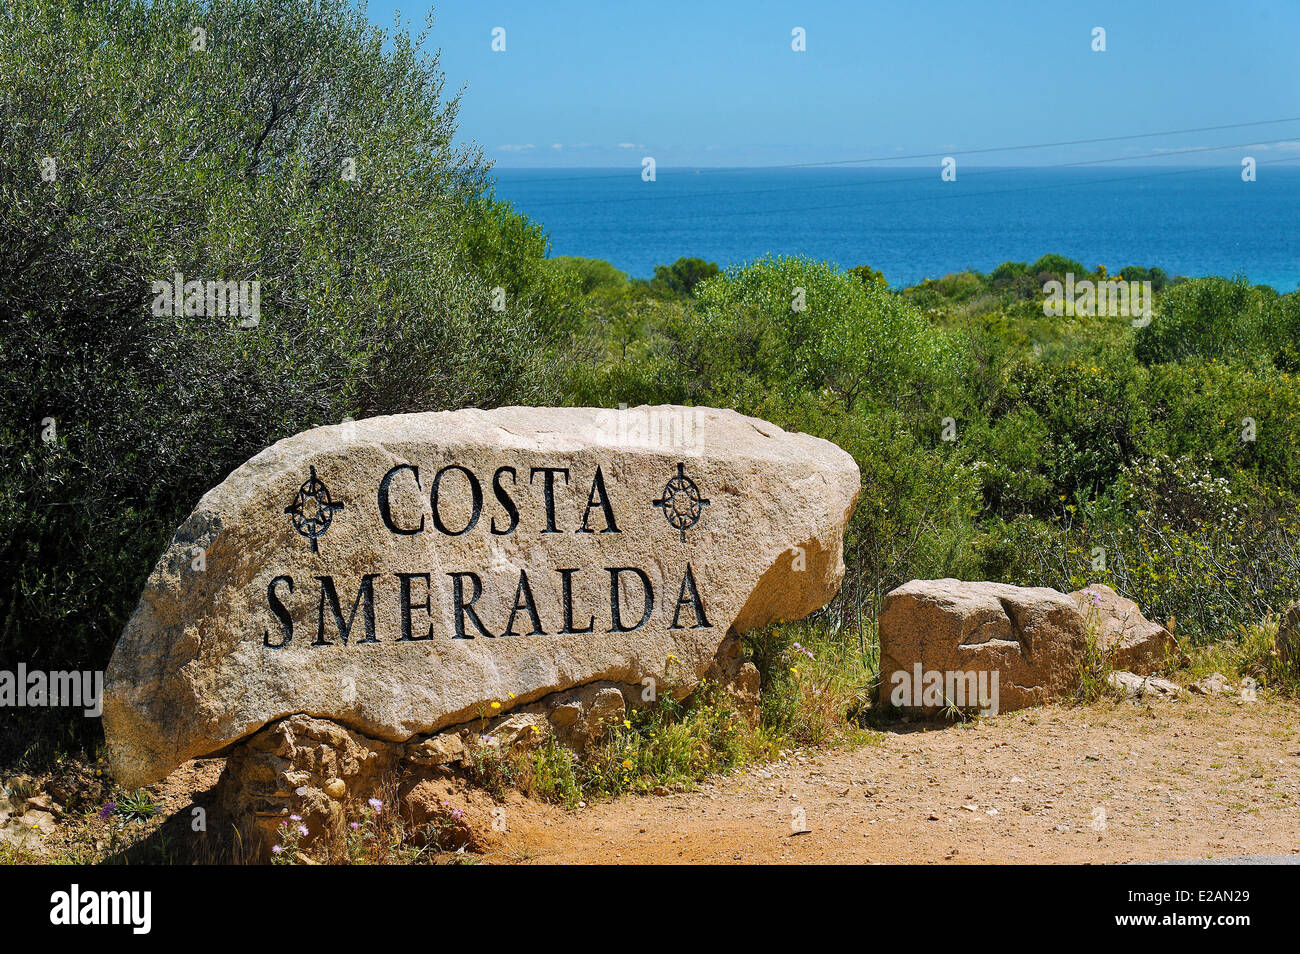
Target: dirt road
1190, 779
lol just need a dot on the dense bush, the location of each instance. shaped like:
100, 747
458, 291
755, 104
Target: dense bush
1212, 553
1204, 318
681, 277
813, 348
227, 163
1067, 435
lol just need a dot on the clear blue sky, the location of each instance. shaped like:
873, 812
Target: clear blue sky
715, 82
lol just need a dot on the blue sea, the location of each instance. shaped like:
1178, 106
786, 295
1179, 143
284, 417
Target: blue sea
911, 225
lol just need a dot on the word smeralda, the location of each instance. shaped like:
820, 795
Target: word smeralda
464, 589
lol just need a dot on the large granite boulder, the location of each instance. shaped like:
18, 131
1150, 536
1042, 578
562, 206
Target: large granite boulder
987, 646
403, 574
1130, 641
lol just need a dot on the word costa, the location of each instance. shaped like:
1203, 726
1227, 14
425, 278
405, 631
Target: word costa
598, 510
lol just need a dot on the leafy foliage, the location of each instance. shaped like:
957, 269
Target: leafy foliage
227, 163
1171, 447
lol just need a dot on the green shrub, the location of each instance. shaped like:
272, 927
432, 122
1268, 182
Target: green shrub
1240, 419
671, 743
1211, 554
818, 679
1205, 318
681, 277
590, 275
1281, 330
375, 292
1058, 429
869, 276
790, 325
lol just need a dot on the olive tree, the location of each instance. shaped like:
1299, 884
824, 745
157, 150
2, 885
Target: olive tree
303, 163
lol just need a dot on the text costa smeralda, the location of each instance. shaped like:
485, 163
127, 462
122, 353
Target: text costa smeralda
464, 589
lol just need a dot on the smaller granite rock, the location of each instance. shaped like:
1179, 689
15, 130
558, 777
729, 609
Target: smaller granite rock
336, 789
608, 707
453, 815
28, 830
523, 730
988, 646
443, 749
1131, 641
303, 766
1215, 684
566, 714
737, 677
43, 803
1137, 687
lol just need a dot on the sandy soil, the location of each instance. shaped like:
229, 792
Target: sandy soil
1187, 779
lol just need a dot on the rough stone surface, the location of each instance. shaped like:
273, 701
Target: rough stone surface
737, 677
303, 766
320, 771
446, 748
207, 658
1136, 687
581, 717
456, 816
26, 822
1033, 638
1215, 684
523, 730
1131, 641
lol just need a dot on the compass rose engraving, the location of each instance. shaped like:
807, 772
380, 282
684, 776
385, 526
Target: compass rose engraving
312, 510
681, 502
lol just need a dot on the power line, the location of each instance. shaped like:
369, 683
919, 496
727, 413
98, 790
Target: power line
787, 190
1068, 142
948, 195
950, 152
